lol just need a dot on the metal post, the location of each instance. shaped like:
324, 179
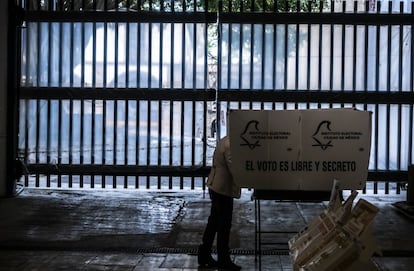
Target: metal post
13, 74
410, 188
3, 97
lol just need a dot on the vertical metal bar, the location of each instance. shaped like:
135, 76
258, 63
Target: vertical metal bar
400, 79
377, 56
230, 41
256, 249
332, 48
115, 131
27, 101
387, 149
252, 73
60, 113
49, 50
116, 60
219, 62
182, 143
204, 133
297, 29
410, 129
400, 50
264, 56
26, 54
137, 139
399, 129
48, 137
354, 75
126, 149
170, 183
104, 105
160, 60
138, 84
377, 51
127, 51
366, 30
376, 136
93, 102
104, 83
183, 48
259, 221
149, 55
286, 40
39, 32
148, 138
193, 140
343, 50
183, 53
206, 85
320, 48
82, 109
389, 49
93, 135
274, 54
49, 77
82, 139
59, 143
308, 62
194, 102
149, 102
115, 140
70, 137
105, 49
160, 102
240, 55
252, 37
159, 140
71, 64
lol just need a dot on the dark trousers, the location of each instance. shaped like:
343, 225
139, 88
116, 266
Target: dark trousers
219, 222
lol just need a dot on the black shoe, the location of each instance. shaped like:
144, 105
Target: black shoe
205, 259
228, 265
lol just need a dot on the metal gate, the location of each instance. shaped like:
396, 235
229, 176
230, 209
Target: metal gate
130, 93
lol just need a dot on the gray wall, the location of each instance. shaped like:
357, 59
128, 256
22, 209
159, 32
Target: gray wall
3, 94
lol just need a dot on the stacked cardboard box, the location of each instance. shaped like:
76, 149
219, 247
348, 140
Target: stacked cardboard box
340, 238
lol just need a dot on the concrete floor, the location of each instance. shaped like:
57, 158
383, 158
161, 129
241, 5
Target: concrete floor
152, 230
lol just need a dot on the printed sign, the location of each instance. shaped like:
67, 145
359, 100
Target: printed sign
300, 149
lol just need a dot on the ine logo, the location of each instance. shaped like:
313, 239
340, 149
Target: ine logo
318, 136
251, 127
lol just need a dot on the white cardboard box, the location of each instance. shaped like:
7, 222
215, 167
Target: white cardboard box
335, 240
300, 149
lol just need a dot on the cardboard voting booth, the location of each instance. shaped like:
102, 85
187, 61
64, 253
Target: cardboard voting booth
300, 149
312, 150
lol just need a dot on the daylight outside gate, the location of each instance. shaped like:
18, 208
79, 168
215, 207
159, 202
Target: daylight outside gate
134, 94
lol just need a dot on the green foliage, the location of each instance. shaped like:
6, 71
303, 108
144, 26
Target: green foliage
268, 5
185, 5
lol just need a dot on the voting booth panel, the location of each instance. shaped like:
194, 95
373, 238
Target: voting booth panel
319, 150
300, 149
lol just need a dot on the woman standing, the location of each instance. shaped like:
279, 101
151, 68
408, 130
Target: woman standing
222, 190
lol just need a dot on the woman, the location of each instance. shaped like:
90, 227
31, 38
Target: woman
222, 190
